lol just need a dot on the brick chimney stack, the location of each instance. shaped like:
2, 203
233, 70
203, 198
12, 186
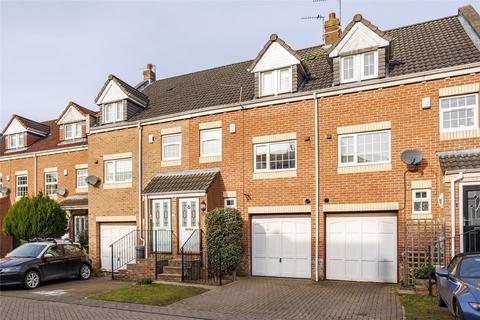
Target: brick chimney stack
331, 29
148, 73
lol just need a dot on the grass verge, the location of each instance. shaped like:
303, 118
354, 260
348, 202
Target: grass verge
153, 294
423, 308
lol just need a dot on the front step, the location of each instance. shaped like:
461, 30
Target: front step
175, 262
169, 277
173, 270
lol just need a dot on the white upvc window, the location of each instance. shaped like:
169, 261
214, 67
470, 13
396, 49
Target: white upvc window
1, 181
276, 81
459, 113
421, 202
230, 202
72, 130
364, 148
275, 156
359, 67
172, 146
51, 183
118, 171
113, 112
82, 175
211, 142
21, 185
16, 140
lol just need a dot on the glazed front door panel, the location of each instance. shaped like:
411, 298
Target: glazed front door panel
471, 218
161, 225
188, 218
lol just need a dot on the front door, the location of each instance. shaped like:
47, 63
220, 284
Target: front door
188, 218
161, 225
471, 218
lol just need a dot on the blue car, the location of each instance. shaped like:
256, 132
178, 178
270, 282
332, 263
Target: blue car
459, 286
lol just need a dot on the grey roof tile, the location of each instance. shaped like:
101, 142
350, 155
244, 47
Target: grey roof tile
181, 181
459, 159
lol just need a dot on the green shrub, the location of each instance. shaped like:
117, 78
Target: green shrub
224, 229
98, 273
144, 281
422, 272
36, 217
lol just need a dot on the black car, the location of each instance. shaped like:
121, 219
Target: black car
39, 261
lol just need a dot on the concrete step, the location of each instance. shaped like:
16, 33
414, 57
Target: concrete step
172, 270
169, 277
177, 262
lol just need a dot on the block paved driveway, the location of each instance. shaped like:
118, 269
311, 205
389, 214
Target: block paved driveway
247, 298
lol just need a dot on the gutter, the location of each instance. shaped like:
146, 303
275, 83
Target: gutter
452, 207
315, 100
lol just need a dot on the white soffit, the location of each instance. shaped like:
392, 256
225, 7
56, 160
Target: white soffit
72, 115
15, 127
358, 38
275, 57
112, 93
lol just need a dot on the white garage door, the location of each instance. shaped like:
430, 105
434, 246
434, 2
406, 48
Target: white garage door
362, 248
110, 233
281, 246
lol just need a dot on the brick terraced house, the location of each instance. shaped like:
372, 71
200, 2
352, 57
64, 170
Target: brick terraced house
49, 157
346, 160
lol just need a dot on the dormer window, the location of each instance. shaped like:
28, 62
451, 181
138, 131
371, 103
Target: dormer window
113, 112
16, 140
276, 81
359, 67
73, 130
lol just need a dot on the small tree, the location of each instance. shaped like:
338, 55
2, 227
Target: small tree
224, 228
36, 217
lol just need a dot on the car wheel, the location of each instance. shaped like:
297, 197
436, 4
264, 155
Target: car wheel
440, 301
458, 311
85, 272
32, 280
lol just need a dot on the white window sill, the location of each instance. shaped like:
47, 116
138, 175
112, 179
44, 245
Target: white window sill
274, 174
209, 159
463, 134
364, 168
171, 163
117, 185
81, 190
421, 216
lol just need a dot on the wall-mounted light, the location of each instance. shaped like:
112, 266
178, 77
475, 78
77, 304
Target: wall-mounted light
65, 172
203, 206
307, 201
326, 200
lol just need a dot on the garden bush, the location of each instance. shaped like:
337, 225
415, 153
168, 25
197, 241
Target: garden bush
224, 229
422, 272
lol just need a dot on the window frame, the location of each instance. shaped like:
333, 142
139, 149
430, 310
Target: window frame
267, 145
355, 149
17, 186
234, 199
74, 134
16, 137
219, 153
375, 65
179, 157
428, 199
115, 161
45, 183
276, 81
77, 176
342, 67
358, 67
459, 129
114, 105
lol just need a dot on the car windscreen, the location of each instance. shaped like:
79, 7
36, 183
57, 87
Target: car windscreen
28, 250
470, 267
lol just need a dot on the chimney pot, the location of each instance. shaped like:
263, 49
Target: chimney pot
148, 73
332, 29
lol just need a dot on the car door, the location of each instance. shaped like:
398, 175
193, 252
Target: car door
73, 258
452, 283
53, 265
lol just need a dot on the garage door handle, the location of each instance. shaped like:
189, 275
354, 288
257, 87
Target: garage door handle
280, 260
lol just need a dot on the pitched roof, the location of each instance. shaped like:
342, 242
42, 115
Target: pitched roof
182, 182
420, 47
29, 124
459, 159
75, 200
81, 109
126, 88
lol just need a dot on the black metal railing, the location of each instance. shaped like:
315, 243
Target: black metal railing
439, 254
162, 245
200, 265
124, 250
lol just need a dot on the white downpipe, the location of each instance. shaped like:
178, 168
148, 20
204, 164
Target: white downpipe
34, 174
315, 102
139, 183
452, 208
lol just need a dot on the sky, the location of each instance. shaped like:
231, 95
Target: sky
53, 52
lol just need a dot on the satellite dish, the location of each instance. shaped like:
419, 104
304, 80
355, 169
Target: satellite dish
411, 157
92, 180
61, 191
4, 190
